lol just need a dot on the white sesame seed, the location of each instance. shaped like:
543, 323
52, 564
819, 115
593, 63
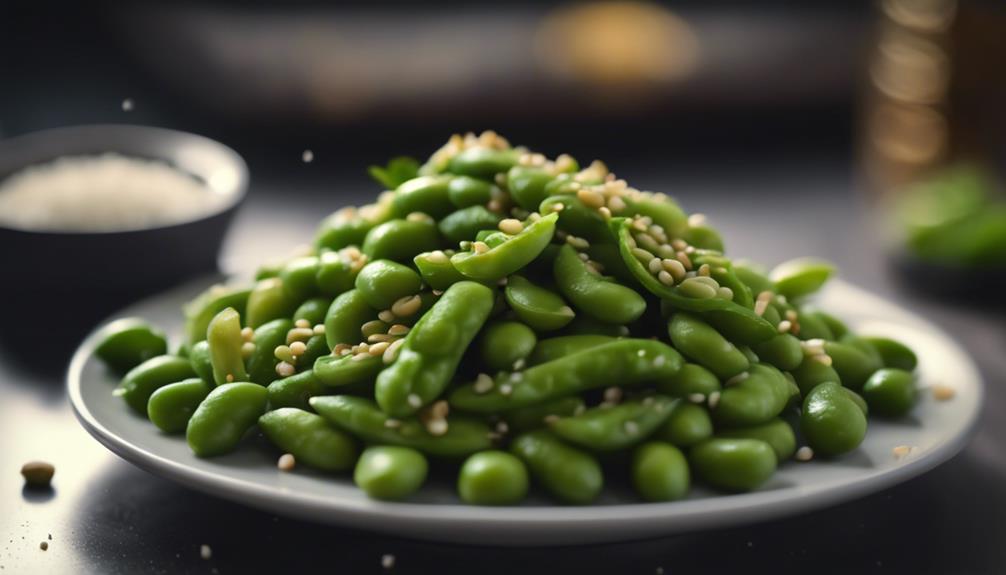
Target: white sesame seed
319, 329
516, 377
511, 226
659, 361
418, 217
298, 348
724, 292
398, 330
823, 358
714, 399
436, 427
654, 266
387, 561
299, 333
696, 220
902, 451
483, 383
642, 255
551, 419
386, 316
247, 333
675, 268
286, 462
480, 247
361, 355
576, 242
616, 204
391, 354
631, 427
379, 348
737, 378
684, 259
372, 327
230, 378
784, 326
502, 427
247, 348
406, 306
205, 552
284, 353
380, 338
696, 397
613, 394
392, 423
943, 392
506, 389
519, 364
414, 400
302, 323
665, 278
704, 270
805, 453
760, 307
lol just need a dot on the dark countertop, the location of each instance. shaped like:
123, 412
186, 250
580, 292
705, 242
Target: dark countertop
106, 516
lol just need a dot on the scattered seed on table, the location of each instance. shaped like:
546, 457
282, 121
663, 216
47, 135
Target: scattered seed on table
942, 392
286, 462
38, 473
44, 546
805, 453
388, 561
205, 552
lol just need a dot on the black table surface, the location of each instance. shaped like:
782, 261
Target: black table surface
104, 515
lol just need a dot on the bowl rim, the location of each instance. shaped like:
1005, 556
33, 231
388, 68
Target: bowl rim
233, 194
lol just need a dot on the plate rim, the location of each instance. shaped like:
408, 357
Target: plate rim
473, 524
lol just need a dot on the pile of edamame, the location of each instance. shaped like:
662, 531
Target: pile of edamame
529, 322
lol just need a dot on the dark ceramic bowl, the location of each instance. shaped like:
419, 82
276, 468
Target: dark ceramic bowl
60, 283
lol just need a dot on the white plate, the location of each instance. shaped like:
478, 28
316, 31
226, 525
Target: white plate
935, 430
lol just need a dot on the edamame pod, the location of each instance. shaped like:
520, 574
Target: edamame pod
199, 357
691, 378
733, 464
831, 421
540, 308
569, 474
201, 310
390, 472
610, 428
128, 342
225, 339
777, 433
401, 240
262, 361
295, 390
310, 438
170, 407
686, 425
510, 256
492, 478
383, 282
143, 380
268, 301
505, 343
465, 223
603, 300
890, 392
555, 347
539, 415
755, 399
223, 418
348, 312
893, 353
660, 472
782, 351
426, 194
701, 343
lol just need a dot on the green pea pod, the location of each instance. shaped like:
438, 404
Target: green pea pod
811, 373
400, 240
349, 371
433, 349
201, 310
223, 418
504, 343
262, 362
611, 428
756, 399
199, 357
569, 474
691, 378
466, 191
337, 272
527, 186
553, 348
893, 353
437, 270
854, 366
890, 392
224, 337
624, 362
310, 438
800, 277
382, 282
537, 416
742, 321
313, 310
465, 223
783, 351
538, 307
510, 256
777, 433
482, 162
143, 380
347, 314
426, 194
660, 472
170, 407
701, 343
831, 421
128, 342
299, 278
362, 418
576, 218
601, 299
687, 424
268, 301
295, 390
733, 464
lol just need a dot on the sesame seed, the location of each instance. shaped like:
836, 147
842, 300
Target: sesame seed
696, 397
675, 268
659, 361
737, 378
511, 226
506, 389
230, 378
418, 217
823, 359
298, 348
286, 462
480, 247
696, 220
341, 349
665, 278
694, 288
551, 419
613, 394
943, 392
516, 377
391, 354
784, 326
724, 292
437, 257
406, 306
319, 329
247, 333
590, 198
805, 453
519, 365
387, 561
386, 316
765, 296
361, 355
654, 266
398, 330
298, 333
247, 348
302, 323
502, 427
372, 327
631, 427
616, 204
902, 451
483, 383
436, 427
205, 552
44, 546
414, 401
576, 242
381, 337
760, 307
704, 270
714, 399
642, 255
379, 348
392, 423
361, 348
684, 259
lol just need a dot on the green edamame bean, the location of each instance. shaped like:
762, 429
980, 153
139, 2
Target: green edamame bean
362, 418
754, 275
660, 472
569, 474
201, 310
858, 400
223, 418
299, 278
337, 270
800, 277
539, 415
837, 327
811, 372
777, 433
634, 360
783, 351
390, 472
510, 256
262, 362
295, 390
812, 327
601, 299
465, 223
482, 162
313, 310
540, 308
170, 407
426, 194
348, 312
268, 301
701, 343
756, 399
143, 380
199, 357
608, 428
504, 343
703, 237
831, 421
585, 325
555, 347
348, 372
733, 464
575, 218
383, 282
466, 191
692, 378
687, 425
349, 226
893, 353
401, 240
432, 350
492, 478
128, 342
890, 392
225, 339
437, 270
310, 438
527, 186
853, 365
